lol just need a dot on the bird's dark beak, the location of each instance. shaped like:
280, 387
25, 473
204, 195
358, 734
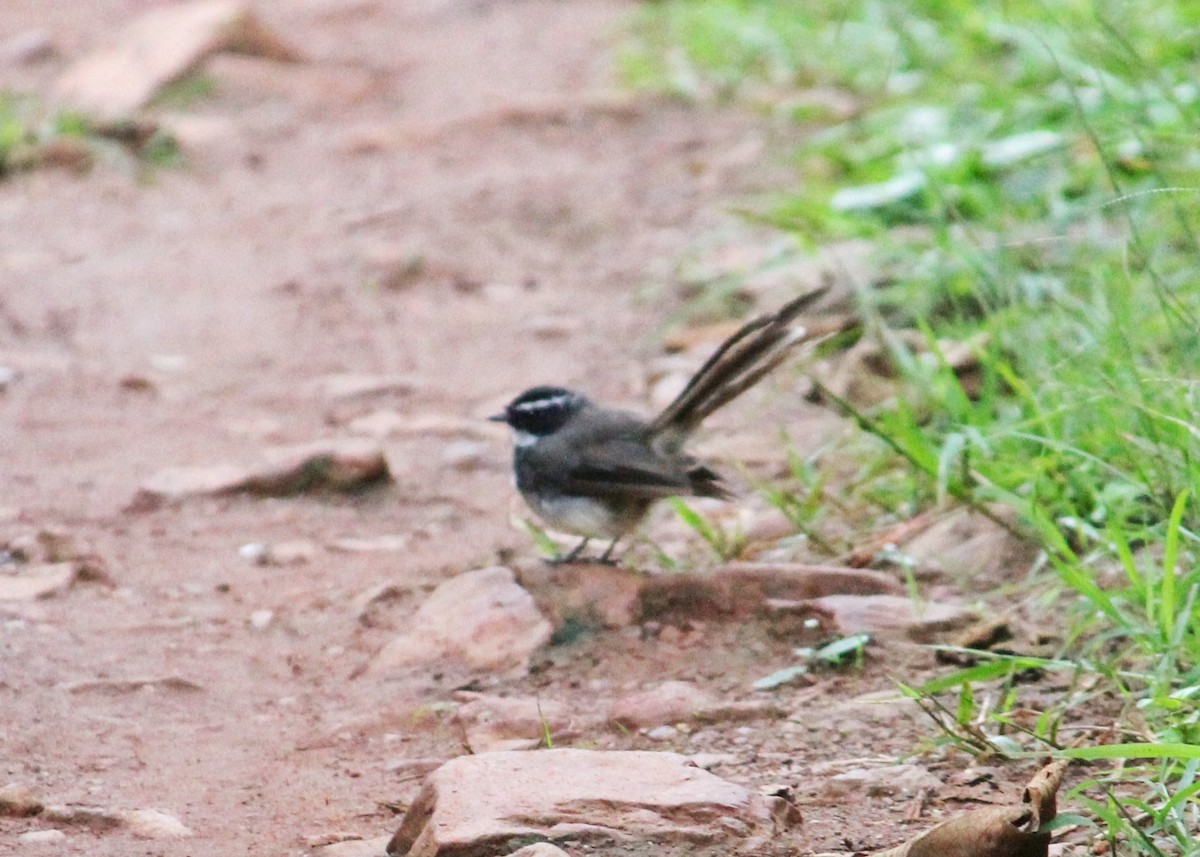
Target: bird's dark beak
499, 418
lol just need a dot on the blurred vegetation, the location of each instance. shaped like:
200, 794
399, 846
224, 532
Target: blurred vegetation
1029, 175
31, 137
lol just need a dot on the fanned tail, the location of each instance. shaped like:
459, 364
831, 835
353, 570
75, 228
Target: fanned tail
741, 362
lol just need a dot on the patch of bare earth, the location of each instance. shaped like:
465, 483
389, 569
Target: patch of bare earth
444, 203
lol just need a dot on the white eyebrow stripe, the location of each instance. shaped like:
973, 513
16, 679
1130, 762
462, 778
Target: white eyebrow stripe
543, 404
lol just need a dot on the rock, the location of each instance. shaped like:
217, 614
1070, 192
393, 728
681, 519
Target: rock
337, 464
146, 823
481, 619
153, 824
904, 780
352, 386
741, 589
26, 48
175, 484
968, 545
465, 455
375, 847
260, 620
867, 614
173, 683
8, 377
390, 543
340, 464
17, 800
493, 723
41, 837
486, 803
393, 267
38, 581
389, 423
296, 552
680, 701
162, 45
585, 594
539, 849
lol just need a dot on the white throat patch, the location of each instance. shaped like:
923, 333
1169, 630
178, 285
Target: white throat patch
524, 439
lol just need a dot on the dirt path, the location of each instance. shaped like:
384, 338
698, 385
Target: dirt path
183, 320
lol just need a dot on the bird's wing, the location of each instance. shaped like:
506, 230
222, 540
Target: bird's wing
624, 468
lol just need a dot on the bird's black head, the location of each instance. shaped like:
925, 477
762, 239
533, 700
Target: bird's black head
540, 411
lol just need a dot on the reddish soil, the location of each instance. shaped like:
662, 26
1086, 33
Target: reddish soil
181, 317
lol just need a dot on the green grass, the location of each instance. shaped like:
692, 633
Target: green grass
33, 137
1029, 173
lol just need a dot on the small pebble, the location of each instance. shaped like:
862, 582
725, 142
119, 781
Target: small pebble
41, 837
255, 552
260, 619
662, 733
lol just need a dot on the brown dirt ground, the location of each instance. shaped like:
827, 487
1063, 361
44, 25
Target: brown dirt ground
482, 136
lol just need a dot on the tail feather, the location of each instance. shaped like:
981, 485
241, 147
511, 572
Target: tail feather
737, 365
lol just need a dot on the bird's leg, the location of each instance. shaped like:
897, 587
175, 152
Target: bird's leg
606, 557
571, 556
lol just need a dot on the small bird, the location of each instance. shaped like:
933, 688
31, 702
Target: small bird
595, 471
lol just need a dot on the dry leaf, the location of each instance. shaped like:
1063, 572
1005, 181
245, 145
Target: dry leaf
1002, 831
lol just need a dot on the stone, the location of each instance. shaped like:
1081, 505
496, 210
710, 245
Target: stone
388, 543
41, 837
585, 594
374, 847
969, 546
17, 800
680, 701
466, 455
154, 824
539, 849
338, 464
160, 46
114, 686
260, 620
355, 386
490, 802
493, 723
146, 823
27, 47
741, 589
176, 484
38, 581
903, 780
481, 619
880, 614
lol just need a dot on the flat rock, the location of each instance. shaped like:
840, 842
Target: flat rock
492, 723
340, 464
374, 847
18, 800
160, 46
968, 545
481, 619
146, 823
539, 849
353, 386
488, 803
881, 614
680, 701
903, 780
742, 589
53, 836
585, 594
38, 581
390, 423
